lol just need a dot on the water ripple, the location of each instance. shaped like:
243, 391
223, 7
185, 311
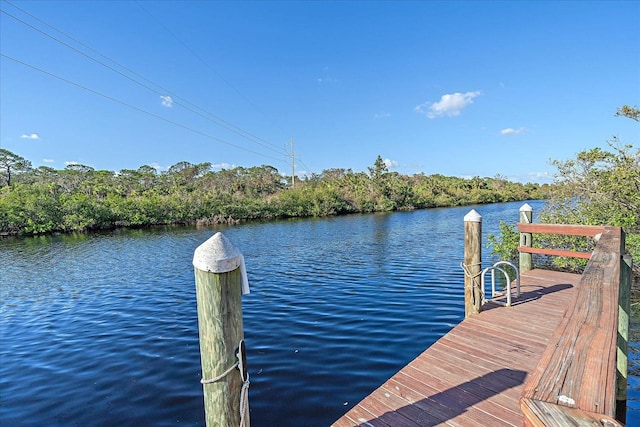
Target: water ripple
102, 329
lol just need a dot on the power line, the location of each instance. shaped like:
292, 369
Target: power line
208, 116
202, 113
304, 165
293, 166
134, 107
199, 58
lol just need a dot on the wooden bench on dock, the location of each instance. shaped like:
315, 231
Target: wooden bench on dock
575, 382
555, 357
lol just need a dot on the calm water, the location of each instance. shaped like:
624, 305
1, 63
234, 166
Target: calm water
101, 329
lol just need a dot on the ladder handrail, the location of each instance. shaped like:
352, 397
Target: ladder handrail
493, 269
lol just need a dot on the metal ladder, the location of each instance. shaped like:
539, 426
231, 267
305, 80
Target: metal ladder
497, 297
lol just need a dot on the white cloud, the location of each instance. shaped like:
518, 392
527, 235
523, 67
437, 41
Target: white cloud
48, 160
226, 166
535, 177
381, 115
450, 104
390, 163
72, 162
540, 177
512, 131
326, 80
167, 101
30, 136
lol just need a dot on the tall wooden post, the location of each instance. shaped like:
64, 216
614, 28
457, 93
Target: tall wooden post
526, 239
624, 312
472, 263
220, 282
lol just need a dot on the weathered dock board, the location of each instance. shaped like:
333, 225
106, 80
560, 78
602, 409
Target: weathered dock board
474, 375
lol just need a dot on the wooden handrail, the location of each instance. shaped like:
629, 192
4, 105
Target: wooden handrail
576, 376
556, 252
569, 230
561, 229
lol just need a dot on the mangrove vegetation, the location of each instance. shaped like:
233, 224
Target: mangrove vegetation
79, 198
597, 187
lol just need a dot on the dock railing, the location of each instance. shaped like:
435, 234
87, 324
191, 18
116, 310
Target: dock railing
582, 375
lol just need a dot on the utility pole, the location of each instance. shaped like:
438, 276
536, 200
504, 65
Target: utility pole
293, 166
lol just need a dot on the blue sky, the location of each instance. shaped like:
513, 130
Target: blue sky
456, 88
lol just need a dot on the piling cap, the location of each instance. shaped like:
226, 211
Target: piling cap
473, 216
218, 255
526, 208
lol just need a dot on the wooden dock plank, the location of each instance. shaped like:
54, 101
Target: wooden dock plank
456, 395
578, 368
429, 415
485, 389
501, 344
442, 406
474, 374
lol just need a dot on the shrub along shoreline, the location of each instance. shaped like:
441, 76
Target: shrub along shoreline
79, 198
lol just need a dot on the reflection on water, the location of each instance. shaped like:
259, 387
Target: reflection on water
101, 329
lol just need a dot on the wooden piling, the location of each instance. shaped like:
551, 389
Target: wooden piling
220, 279
472, 263
526, 239
624, 312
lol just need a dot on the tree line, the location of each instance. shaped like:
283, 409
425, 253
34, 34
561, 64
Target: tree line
79, 198
597, 187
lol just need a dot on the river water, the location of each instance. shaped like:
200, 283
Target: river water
101, 329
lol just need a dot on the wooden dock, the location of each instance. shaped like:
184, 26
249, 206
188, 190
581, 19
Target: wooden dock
557, 356
474, 375
552, 354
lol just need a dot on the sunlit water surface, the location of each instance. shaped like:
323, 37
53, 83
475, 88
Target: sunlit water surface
101, 329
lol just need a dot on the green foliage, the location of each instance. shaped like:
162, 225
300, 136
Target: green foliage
78, 198
631, 112
598, 187
633, 247
505, 244
30, 209
11, 165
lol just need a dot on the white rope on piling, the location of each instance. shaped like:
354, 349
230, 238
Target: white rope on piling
221, 376
244, 391
241, 354
244, 398
465, 267
474, 282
